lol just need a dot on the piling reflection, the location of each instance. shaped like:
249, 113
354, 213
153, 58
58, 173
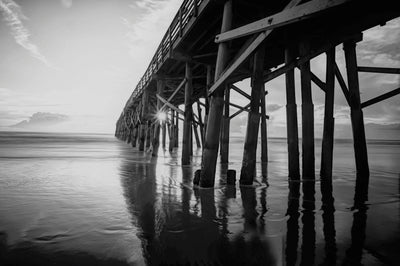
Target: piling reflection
228, 225
179, 225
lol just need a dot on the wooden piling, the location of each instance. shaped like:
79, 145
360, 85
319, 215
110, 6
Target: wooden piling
329, 120
210, 152
148, 135
225, 128
134, 136
176, 144
307, 112
196, 135
291, 119
187, 125
201, 123
357, 122
172, 132
264, 139
164, 133
143, 125
156, 136
248, 172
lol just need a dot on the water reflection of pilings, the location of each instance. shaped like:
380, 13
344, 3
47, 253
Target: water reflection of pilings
308, 222
292, 236
176, 228
358, 229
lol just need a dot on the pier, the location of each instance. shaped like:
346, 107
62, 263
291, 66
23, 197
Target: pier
213, 44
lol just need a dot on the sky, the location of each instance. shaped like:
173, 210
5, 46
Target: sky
73, 64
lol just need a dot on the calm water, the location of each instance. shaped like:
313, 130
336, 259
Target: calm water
92, 200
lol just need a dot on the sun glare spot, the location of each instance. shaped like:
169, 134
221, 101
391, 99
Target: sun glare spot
161, 116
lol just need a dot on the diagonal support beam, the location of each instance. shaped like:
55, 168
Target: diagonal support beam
287, 16
174, 93
244, 55
170, 105
240, 91
343, 86
380, 98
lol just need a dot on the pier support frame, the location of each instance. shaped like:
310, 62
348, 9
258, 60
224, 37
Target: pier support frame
210, 152
357, 121
187, 124
248, 170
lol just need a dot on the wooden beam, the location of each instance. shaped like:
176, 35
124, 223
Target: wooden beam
380, 98
342, 84
244, 55
170, 105
285, 17
318, 82
240, 91
174, 93
384, 70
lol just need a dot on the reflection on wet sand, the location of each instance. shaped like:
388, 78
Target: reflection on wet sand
181, 225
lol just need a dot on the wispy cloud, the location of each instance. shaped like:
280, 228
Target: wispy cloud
66, 3
13, 15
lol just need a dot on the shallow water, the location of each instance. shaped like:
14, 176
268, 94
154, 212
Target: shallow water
69, 199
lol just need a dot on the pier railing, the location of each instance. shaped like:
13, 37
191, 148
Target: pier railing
187, 10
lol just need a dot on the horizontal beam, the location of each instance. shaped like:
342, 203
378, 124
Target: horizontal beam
381, 98
285, 17
170, 105
384, 70
244, 55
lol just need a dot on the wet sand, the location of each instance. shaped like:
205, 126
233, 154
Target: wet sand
92, 200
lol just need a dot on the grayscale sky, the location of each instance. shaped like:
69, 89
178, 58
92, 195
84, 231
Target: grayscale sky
81, 59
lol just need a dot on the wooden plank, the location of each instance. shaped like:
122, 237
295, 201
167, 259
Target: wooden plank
285, 17
240, 91
384, 70
380, 98
244, 55
173, 107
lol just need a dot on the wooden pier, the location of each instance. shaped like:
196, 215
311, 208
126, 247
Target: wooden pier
213, 44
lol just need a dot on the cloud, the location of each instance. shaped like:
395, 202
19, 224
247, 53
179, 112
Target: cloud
273, 107
41, 120
66, 3
13, 16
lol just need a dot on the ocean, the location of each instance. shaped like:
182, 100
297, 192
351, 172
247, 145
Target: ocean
89, 199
